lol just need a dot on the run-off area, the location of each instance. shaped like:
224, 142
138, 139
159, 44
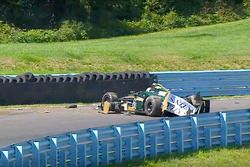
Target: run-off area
21, 123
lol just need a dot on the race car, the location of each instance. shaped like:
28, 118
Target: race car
155, 101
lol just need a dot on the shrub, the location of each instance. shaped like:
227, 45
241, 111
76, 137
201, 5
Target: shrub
5, 32
246, 5
225, 12
72, 30
33, 36
151, 22
173, 20
205, 19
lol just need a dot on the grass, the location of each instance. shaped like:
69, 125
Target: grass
221, 46
221, 157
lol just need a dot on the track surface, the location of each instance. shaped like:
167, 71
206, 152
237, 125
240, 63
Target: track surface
19, 124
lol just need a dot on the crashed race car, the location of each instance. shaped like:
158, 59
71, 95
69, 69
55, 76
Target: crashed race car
156, 101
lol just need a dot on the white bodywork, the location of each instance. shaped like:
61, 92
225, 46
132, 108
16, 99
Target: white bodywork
179, 106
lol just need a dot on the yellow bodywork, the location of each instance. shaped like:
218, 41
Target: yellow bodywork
165, 103
106, 107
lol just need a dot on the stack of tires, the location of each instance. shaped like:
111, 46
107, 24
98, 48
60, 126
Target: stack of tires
84, 87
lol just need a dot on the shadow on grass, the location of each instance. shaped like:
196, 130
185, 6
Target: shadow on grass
195, 35
168, 157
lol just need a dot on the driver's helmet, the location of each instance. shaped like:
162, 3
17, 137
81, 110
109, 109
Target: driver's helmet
155, 86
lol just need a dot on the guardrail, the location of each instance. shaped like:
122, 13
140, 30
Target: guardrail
115, 144
209, 83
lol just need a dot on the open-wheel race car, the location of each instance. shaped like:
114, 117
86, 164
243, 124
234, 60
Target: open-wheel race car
156, 101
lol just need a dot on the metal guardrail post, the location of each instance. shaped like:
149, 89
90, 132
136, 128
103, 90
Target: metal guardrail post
223, 120
35, 154
129, 153
238, 137
167, 136
105, 155
118, 144
153, 145
95, 147
53, 151
208, 140
73, 150
43, 159
19, 156
62, 159
5, 158
195, 142
142, 140
82, 155
180, 141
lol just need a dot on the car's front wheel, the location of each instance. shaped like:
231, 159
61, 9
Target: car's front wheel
152, 106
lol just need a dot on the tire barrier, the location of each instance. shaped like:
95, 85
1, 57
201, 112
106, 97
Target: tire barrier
119, 143
83, 87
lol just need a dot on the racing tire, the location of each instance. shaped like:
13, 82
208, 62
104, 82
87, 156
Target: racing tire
109, 97
204, 107
152, 106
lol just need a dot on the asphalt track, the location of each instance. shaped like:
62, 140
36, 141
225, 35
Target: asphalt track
23, 123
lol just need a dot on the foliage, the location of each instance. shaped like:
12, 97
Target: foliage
5, 31
32, 36
65, 20
246, 4
173, 20
72, 30
69, 30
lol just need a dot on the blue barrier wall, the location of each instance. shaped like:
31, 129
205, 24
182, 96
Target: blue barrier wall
209, 83
115, 144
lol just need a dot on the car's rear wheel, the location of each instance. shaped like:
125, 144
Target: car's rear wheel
109, 97
152, 106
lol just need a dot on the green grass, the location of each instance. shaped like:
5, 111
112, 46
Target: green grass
218, 157
222, 46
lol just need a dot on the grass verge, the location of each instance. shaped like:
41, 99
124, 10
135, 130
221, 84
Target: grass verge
221, 46
222, 157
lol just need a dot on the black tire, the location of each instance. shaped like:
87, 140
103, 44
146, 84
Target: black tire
145, 74
109, 97
59, 78
53, 79
28, 76
18, 79
86, 76
8, 79
22, 79
40, 79
14, 80
152, 106
2, 79
127, 75
108, 77
95, 76
67, 78
75, 79
49, 78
